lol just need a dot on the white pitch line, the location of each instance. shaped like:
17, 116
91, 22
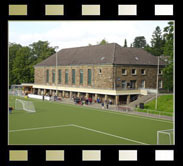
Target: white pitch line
101, 132
39, 128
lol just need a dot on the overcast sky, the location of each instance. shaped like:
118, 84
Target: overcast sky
67, 34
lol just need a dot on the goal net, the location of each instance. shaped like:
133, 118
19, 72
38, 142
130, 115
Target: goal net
165, 137
24, 105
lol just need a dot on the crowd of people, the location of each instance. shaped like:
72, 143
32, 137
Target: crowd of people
87, 101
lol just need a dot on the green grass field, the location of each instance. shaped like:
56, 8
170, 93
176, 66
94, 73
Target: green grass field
55, 123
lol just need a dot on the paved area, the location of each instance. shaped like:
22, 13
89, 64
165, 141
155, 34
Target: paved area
124, 109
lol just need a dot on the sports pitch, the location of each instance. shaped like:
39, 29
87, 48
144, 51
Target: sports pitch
56, 123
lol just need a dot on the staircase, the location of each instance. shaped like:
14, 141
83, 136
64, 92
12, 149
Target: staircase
142, 99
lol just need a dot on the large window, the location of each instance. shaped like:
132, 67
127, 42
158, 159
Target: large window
123, 84
81, 76
59, 76
89, 76
73, 76
66, 76
142, 84
53, 76
47, 75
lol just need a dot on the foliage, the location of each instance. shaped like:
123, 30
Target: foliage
23, 58
168, 51
125, 43
139, 42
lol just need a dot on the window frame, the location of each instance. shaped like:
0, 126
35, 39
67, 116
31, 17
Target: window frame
135, 72
124, 74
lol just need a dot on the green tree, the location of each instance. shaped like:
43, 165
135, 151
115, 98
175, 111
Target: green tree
13, 48
22, 60
168, 51
157, 42
125, 43
139, 42
21, 66
102, 42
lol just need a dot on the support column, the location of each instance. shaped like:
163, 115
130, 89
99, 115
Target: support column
117, 100
70, 94
106, 97
63, 94
44, 92
87, 95
128, 99
96, 96
78, 95
39, 91
33, 90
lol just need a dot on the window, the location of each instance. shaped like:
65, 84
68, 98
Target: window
47, 75
160, 71
143, 72
81, 76
124, 72
59, 76
123, 84
160, 84
66, 76
73, 76
89, 76
142, 84
133, 71
53, 76
100, 71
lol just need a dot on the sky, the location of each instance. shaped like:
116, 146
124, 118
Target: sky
67, 34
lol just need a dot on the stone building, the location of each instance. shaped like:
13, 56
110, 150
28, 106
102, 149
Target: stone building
108, 72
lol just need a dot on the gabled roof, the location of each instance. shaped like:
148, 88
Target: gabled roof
101, 54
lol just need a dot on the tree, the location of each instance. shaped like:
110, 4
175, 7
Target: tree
168, 51
13, 48
139, 42
22, 60
21, 68
102, 42
157, 42
125, 43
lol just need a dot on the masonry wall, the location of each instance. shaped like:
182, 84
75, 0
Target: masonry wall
103, 80
149, 77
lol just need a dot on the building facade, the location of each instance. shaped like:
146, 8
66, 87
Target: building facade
108, 72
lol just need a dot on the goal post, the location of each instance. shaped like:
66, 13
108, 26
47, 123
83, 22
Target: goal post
165, 137
24, 105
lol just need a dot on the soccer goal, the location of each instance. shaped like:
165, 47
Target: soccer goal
24, 105
165, 137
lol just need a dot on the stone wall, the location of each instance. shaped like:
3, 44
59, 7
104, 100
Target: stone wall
103, 80
149, 77
102, 76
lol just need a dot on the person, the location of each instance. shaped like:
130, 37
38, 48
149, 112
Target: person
102, 105
107, 105
10, 109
